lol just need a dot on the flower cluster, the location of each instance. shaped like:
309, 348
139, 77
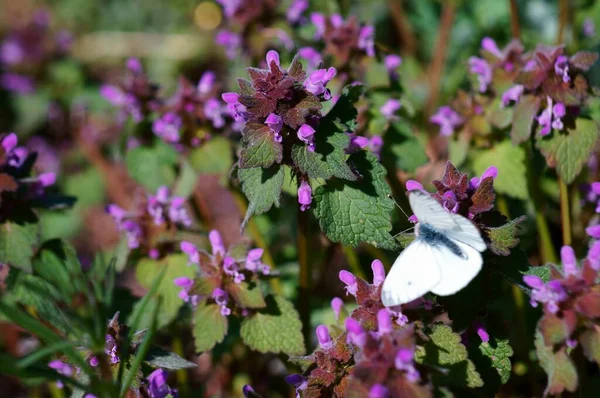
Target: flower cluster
571, 302
154, 215
372, 355
344, 39
26, 50
223, 276
544, 75
19, 190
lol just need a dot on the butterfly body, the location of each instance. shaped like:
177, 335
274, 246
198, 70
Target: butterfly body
443, 259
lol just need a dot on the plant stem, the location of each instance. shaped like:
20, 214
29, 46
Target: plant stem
515, 27
563, 19
353, 262
406, 36
565, 215
304, 292
181, 374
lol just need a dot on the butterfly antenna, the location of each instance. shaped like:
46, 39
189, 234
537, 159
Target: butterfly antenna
406, 230
401, 209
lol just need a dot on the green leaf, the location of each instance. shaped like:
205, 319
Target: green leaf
152, 166
568, 151
176, 266
247, 295
259, 148
407, 150
159, 358
499, 355
504, 238
561, 371
590, 343
262, 187
142, 313
445, 350
277, 328
186, 181
17, 244
210, 327
354, 212
57, 263
523, 117
510, 161
213, 157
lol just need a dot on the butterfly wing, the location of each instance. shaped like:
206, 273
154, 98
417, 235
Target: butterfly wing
428, 210
413, 274
456, 272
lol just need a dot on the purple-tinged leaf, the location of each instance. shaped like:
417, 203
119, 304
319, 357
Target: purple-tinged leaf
583, 60
556, 330
561, 371
590, 343
523, 117
259, 147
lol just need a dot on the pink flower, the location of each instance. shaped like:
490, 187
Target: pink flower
389, 109
384, 321
569, 261
275, 123
356, 334
192, 252
561, 68
447, 119
378, 272
366, 40
483, 70
306, 134
304, 195
337, 304
491, 171
350, 280
323, 337
273, 57
512, 94
216, 242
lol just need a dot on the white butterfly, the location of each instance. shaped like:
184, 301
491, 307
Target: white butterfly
442, 259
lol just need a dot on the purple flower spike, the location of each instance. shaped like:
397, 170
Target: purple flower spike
384, 321
304, 195
489, 45
567, 257
356, 334
323, 337
561, 68
593, 231
192, 252
513, 94
273, 56
216, 242
337, 304
483, 70
350, 280
447, 119
389, 109
379, 391
378, 272
275, 123
316, 82
306, 134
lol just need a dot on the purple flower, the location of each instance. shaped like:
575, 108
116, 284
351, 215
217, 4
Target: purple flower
450, 202
306, 134
186, 284
94, 361
273, 57
378, 272
247, 390
206, 83
233, 104
230, 6
569, 261
216, 242
447, 119
253, 262
167, 127
589, 29
298, 381
350, 281
379, 391
295, 10
483, 334
512, 94
111, 349
16, 83
192, 252
489, 45
389, 109
11, 52
366, 40
275, 123
214, 112
404, 362
113, 94
336, 305
221, 298
384, 321
304, 195
491, 171
358, 141
9, 142
593, 231
323, 337
561, 68
157, 384
318, 20
551, 117
62, 368
46, 179
594, 256
550, 294
230, 41
316, 82
356, 334
483, 70
134, 65
412, 185
392, 62
312, 56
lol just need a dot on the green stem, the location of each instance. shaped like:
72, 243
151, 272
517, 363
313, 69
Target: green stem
304, 292
353, 262
181, 374
565, 215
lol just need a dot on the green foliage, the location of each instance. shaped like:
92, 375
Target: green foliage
186, 181
247, 295
499, 353
590, 343
159, 358
176, 266
259, 147
210, 327
213, 157
262, 187
354, 212
510, 161
569, 151
152, 166
17, 244
276, 328
504, 237
406, 149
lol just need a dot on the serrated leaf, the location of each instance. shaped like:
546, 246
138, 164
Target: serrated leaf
262, 187
276, 328
17, 244
583, 60
176, 264
561, 371
504, 238
213, 157
523, 117
568, 151
259, 148
556, 330
152, 166
590, 343
354, 212
445, 350
159, 358
499, 356
247, 295
510, 161
210, 327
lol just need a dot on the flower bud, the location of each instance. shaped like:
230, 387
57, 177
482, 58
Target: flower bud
350, 280
378, 272
323, 337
